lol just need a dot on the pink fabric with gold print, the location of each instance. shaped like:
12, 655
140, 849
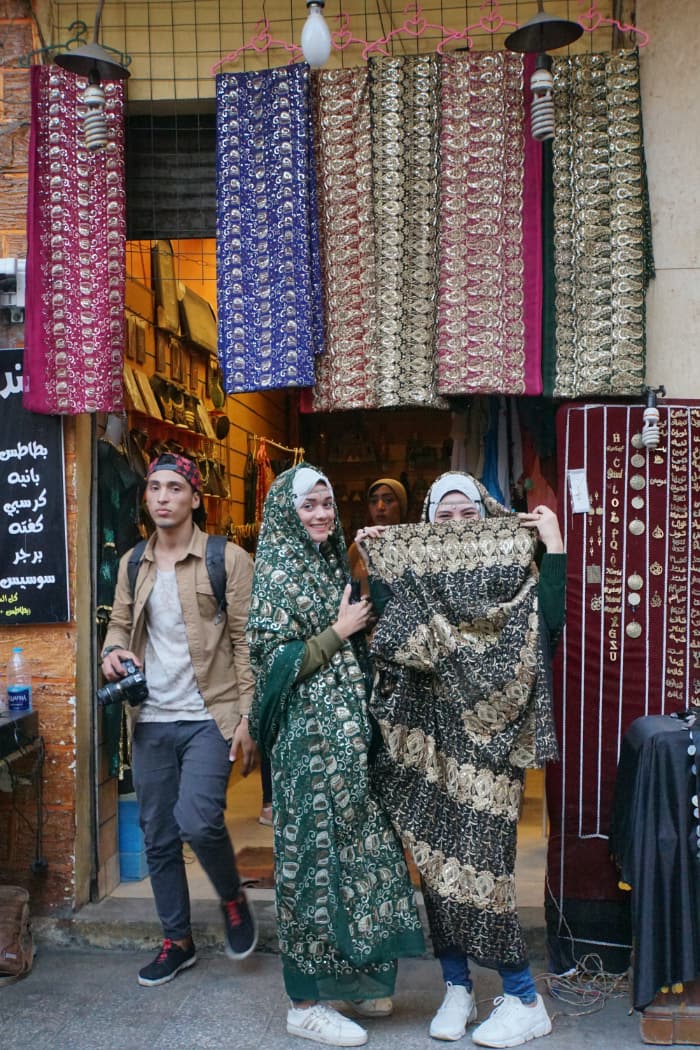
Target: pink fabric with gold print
346, 372
76, 231
490, 301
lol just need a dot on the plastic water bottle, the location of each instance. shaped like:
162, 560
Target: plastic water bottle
19, 682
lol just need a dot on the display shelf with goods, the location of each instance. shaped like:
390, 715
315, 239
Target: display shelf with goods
357, 448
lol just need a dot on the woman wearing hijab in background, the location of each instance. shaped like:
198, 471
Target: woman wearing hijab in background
463, 699
345, 905
387, 504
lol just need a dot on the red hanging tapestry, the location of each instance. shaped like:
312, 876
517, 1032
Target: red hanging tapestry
76, 234
631, 646
490, 302
346, 371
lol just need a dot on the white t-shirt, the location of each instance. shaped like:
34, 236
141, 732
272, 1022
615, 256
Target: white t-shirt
173, 694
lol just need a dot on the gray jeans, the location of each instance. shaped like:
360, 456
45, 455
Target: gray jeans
181, 772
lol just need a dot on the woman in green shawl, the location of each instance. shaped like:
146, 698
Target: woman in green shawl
345, 906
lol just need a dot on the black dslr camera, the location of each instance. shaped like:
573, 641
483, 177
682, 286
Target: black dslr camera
132, 687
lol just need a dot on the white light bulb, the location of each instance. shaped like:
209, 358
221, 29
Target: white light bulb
316, 37
542, 111
95, 121
650, 429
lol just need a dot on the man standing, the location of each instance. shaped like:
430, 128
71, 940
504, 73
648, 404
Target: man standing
194, 722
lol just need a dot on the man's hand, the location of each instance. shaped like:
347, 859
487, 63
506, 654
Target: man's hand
112, 666
244, 745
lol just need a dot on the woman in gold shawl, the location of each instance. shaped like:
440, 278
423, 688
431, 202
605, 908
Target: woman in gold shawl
463, 699
345, 905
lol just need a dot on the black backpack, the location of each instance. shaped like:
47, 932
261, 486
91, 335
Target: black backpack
216, 567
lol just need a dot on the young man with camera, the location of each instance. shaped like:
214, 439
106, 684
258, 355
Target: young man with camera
188, 720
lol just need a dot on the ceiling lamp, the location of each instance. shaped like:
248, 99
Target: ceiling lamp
543, 32
97, 64
316, 36
540, 34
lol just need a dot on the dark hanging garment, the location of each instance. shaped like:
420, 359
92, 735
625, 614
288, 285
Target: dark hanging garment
654, 840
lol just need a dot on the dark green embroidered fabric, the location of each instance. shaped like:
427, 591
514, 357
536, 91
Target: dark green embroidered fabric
345, 905
464, 705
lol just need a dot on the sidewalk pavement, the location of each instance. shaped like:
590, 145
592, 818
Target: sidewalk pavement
82, 994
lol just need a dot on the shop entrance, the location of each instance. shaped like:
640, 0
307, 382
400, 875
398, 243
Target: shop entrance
355, 449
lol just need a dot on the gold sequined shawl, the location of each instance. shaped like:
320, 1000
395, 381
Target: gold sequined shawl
602, 240
490, 303
405, 103
463, 700
345, 373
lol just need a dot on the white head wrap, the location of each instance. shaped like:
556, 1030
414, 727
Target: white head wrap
305, 480
455, 483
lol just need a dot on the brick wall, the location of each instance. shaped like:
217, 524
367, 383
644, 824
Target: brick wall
52, 648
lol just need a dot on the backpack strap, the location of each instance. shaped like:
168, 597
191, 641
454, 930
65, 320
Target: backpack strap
216, 567
215, 558
134, 564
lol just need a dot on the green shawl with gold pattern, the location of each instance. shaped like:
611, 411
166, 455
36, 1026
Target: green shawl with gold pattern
345, 905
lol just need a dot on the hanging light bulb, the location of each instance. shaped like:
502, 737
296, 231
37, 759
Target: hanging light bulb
542, 111
95, 120
651, 418
316, 36
543, 32
96, 63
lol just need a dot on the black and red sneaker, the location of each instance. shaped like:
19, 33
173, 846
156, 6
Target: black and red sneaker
167, 964
240, 927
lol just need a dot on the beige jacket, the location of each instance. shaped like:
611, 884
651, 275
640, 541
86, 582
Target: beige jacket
219, 651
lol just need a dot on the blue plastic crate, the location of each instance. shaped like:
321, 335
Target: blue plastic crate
132, 866
128, 809
130, 838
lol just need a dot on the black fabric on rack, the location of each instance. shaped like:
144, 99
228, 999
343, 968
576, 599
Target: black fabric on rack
119, 498
655, 845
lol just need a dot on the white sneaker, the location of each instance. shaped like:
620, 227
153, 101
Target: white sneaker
456, 1012
322, 1024
368, 1007
513, 1023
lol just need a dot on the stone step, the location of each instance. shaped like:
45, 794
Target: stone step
131, 924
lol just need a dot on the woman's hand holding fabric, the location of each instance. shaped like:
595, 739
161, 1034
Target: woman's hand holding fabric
352, 616
546, 522
369, 532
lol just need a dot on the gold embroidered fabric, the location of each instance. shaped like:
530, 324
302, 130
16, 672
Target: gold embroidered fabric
463, 701
405, 104
345, 372
489, 319
602, 247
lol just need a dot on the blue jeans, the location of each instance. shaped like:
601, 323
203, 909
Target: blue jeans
181, 771
455, 969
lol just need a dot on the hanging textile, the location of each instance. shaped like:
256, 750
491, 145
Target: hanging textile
630, 647
405, 104
602, 237
549, 358
76, 241
118, 501
268, 273
265, 475
345, 373
490, 303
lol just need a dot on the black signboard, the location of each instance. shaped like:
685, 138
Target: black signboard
33, 550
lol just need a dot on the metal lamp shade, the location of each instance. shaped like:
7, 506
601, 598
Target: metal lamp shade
543, 32
92, 59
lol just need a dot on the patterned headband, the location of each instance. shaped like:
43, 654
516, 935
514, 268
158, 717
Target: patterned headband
180, 465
